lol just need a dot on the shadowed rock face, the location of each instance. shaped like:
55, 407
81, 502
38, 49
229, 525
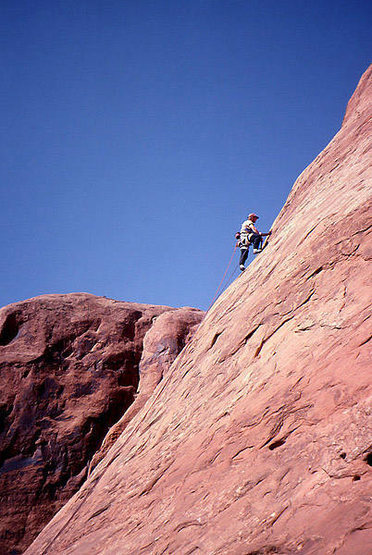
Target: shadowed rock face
69, 371
259, 438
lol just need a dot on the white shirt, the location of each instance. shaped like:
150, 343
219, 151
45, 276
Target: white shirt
248, 227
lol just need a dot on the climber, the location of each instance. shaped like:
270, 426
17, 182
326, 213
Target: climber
249, 235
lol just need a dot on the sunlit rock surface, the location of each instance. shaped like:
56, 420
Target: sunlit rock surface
70, 368
258, 440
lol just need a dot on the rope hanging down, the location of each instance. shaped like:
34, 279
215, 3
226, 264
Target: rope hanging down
223, 279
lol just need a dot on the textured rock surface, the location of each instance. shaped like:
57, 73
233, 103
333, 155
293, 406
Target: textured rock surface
259, 439
162, 343
69, 370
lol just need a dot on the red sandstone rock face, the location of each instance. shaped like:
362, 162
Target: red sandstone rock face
259, 438
69, 370
162, 343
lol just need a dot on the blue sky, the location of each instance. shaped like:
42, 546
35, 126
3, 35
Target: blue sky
136, 135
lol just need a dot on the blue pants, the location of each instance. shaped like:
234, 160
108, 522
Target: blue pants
256, 241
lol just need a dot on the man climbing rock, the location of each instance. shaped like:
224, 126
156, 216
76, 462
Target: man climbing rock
249, 235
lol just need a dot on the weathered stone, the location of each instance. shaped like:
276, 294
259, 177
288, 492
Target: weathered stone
69, 370
259, 438
162, 343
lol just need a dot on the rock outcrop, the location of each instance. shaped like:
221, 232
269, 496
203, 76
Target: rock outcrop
71, 366
162, 343
259, 438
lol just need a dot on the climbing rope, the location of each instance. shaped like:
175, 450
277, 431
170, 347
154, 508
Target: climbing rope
223, 279
236, 267
231, 275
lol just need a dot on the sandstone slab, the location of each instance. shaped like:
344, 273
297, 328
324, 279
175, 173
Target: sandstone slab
259, 438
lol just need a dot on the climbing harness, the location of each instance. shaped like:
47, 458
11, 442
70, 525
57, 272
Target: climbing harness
240, 242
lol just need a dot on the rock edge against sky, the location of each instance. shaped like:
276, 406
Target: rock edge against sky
258, 437
73, 367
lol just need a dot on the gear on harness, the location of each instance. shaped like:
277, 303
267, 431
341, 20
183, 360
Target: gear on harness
249, 235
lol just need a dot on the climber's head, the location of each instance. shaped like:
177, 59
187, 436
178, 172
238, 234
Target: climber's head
253, 217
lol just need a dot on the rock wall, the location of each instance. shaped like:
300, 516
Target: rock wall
162, 343
71, 365
259, 438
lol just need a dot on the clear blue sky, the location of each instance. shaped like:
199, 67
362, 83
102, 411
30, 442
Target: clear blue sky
136, 135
